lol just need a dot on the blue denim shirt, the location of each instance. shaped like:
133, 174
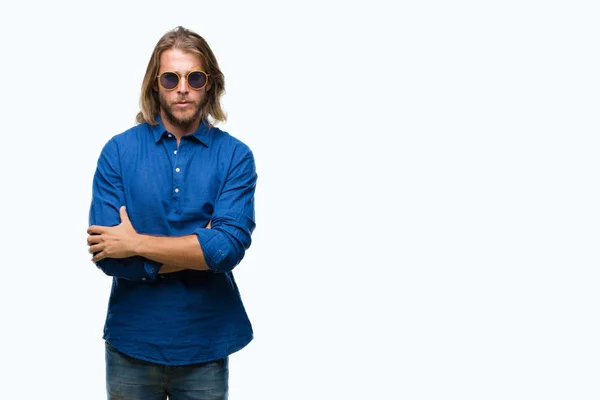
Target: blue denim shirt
189, 316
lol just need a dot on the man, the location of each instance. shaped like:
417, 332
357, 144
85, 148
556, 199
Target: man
172, 214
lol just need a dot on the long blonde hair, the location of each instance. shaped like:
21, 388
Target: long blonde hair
189, 42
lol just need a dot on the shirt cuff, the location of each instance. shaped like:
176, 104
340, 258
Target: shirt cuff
152, 268
214, 246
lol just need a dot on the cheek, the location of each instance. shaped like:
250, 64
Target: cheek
198, 95
163, 98
167, 96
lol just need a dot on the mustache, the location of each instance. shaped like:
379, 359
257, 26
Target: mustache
182, 99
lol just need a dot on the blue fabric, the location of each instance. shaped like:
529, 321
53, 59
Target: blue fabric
129, 378
189, 316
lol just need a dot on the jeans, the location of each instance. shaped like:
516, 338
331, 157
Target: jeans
128, 378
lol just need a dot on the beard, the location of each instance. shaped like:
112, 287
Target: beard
187, 119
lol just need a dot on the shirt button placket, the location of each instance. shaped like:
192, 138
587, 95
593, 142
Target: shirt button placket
176, 180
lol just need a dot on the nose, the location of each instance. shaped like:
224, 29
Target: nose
183, 85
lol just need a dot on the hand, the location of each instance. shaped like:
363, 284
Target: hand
118, 241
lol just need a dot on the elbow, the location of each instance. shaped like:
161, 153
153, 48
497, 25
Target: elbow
227, 262
223, 249
226, 258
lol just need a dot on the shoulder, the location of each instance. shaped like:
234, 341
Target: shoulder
223, 139
129, 138
134, 133
124, 143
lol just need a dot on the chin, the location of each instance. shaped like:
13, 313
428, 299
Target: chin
187, 119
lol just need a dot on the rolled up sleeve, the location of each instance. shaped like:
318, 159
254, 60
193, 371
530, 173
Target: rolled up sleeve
225, 243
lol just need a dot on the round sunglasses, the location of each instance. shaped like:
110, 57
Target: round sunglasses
196, 80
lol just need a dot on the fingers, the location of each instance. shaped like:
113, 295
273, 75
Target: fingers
95, 248
96, 230
98, 257
93, 239
123, 214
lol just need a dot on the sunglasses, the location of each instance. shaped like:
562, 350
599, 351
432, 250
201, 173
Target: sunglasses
196, 80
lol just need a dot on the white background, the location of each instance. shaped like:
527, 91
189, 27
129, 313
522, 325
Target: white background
427, 204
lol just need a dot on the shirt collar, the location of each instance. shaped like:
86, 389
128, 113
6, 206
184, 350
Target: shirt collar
202, 133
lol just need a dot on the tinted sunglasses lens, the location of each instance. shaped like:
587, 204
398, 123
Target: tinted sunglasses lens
169, 80
197, 80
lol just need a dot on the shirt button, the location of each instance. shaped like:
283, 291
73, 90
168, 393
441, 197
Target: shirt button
175, 152
176, 190
143, 279
169, 135
177, 170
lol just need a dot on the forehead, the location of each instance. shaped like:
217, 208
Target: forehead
179, 61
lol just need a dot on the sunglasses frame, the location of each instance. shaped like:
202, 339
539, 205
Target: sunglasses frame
179, 79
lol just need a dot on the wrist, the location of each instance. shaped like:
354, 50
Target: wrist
139, 245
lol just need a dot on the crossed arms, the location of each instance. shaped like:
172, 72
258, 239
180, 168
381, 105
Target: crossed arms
122, 251
122, 241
